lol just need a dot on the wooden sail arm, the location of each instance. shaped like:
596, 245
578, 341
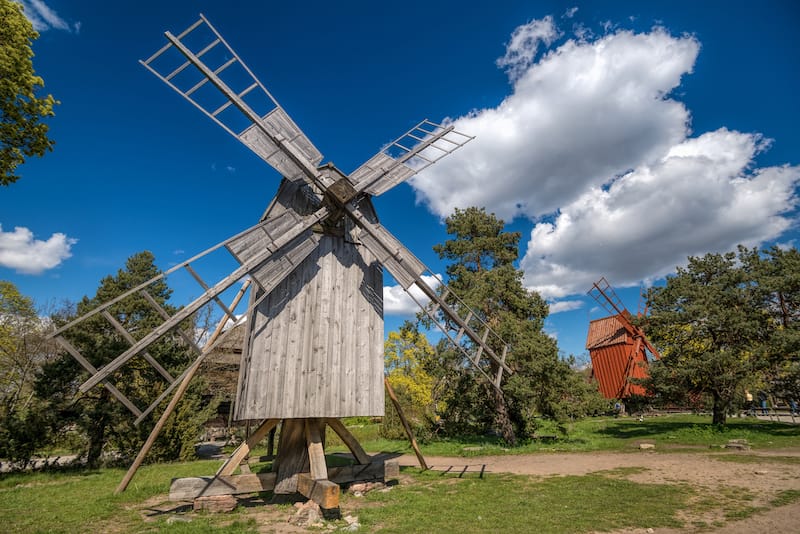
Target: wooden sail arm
407, 269
270, 248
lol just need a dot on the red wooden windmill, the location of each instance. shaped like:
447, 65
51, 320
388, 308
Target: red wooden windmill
618, 348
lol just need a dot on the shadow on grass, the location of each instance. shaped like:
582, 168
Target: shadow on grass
632, 429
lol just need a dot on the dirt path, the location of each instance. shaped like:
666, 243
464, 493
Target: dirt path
759, 476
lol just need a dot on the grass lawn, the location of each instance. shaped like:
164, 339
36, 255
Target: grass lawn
600, 434
83, 501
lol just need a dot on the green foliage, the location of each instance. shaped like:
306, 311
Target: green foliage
102, 419
721, 323
22, 134
482, 273
24, 348
407, 356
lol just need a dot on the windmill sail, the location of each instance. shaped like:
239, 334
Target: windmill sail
248, 112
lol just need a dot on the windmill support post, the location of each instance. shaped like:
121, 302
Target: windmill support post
299, 468
406, 426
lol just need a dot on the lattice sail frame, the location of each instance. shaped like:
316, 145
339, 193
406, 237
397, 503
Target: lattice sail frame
287, 240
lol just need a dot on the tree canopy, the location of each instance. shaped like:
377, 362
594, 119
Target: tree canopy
24, 349
482, 272
723, 323
22, 132
100, 417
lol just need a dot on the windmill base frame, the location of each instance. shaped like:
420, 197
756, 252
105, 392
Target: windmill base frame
299, 467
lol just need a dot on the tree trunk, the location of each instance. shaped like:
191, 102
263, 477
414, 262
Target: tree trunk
96, 434
719, 411
502, 421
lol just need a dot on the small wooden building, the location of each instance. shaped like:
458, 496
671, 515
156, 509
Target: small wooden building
617, 356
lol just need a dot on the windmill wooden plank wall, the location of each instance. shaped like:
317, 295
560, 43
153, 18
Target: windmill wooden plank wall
610, 347
315, 343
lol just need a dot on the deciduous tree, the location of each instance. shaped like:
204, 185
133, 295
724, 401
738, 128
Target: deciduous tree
24, 349
22, 107
407, 358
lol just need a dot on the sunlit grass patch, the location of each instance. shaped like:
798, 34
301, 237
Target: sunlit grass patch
498, 503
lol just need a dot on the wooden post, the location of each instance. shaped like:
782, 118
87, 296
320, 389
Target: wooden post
316, 452
243, 450
292, 456
271, 443
349, 440
173, 403
406, 426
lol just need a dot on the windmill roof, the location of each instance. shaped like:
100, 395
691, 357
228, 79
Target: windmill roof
605, 332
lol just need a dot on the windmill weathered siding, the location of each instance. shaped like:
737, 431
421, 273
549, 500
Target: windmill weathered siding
315, 344
615, 358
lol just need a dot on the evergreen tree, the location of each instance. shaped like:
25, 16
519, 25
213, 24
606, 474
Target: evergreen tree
712, 330
96, 413
482, 272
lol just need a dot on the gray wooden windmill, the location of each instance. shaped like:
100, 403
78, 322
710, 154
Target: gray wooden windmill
314, 346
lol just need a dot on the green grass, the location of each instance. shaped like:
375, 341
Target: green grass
597, 434
83, 500
508, 503
592, 434
80, 501
786, 497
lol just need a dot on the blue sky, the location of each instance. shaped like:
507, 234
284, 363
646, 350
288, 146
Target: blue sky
617, 137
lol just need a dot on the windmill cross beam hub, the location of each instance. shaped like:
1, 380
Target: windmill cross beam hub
313, 346
341, 191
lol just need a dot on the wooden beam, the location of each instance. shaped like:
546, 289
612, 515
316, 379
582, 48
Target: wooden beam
349, 439
292, 456
243, 450
406, 426
129, 338
316, 452
186, 489
323, 492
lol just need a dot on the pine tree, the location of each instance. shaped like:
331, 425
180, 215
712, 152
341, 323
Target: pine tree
482, 272
96, 413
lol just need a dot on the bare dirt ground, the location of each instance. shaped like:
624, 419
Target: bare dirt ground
751, 482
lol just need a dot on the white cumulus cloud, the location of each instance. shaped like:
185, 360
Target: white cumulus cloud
397, 302
21, 252
525, 41
593, 147
44, 18
583, 113
564, 306
700, 197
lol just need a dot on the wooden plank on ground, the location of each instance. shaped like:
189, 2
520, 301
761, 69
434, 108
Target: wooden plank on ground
187, 489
